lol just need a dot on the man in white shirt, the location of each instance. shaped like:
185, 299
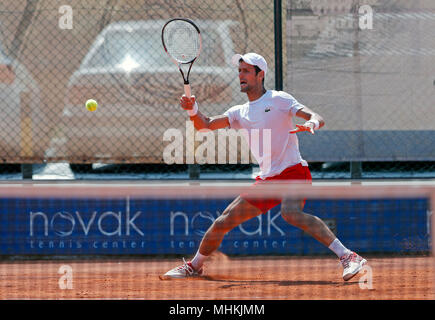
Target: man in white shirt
279, 159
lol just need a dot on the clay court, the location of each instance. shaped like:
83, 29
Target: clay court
97, 205
253, 278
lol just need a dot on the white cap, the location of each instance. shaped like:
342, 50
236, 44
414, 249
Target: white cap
251, 58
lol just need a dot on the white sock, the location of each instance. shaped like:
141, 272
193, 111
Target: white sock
198, 260
338, 248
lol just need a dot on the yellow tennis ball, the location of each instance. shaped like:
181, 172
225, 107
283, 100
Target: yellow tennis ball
91, 105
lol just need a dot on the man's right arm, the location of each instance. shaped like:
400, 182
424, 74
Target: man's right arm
200, 121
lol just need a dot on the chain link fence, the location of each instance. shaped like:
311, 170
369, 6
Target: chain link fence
369, 68
374, 86
111, 51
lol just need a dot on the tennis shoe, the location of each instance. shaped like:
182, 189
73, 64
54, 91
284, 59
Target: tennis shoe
352, 264
186, 270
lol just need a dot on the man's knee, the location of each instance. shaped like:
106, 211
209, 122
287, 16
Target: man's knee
292, 216
236, 213
300, 219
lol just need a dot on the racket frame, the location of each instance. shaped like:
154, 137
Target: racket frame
187, 90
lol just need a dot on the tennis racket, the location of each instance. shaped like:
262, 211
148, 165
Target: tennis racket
182, 41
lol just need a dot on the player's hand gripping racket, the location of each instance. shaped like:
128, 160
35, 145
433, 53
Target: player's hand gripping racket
182, 41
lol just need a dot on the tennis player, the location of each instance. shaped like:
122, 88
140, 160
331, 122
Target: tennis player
274, 110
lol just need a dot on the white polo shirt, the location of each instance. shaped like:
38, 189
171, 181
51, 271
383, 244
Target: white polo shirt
266, 123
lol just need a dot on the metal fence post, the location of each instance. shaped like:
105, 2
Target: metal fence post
194, 171
278, 45
26, 134
27, 171
355, 170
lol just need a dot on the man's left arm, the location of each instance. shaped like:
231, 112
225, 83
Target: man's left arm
313, 120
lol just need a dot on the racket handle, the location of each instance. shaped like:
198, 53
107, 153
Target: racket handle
187, 91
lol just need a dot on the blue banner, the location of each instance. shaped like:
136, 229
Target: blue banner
147, 226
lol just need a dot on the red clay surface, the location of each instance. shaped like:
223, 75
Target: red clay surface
253, 278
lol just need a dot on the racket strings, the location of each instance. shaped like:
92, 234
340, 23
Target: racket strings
182, 41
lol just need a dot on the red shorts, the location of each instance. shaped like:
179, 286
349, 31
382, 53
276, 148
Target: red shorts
297, 172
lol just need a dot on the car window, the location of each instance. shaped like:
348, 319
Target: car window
129, 50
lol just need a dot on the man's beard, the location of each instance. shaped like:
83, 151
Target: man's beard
244, 88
